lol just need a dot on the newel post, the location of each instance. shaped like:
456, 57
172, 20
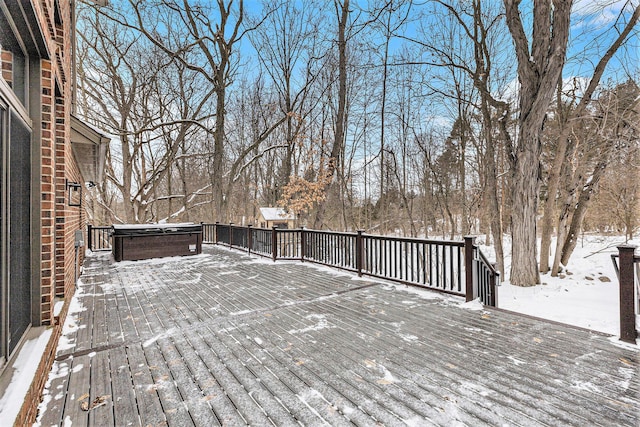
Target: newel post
469, 242
303, 244
231, 235
215, 232
249, 238
627, 298
89, 237
274, 243
359, 253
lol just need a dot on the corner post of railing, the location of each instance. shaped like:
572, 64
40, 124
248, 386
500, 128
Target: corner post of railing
469, 243
274, 243
89, 239
493, 285
249, 238
231, 235
359, 252
215, 232
627, 304
303, 244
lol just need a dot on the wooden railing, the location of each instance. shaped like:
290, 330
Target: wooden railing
453, 267
98, 238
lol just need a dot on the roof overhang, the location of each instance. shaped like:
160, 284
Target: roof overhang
24, 21
90, 149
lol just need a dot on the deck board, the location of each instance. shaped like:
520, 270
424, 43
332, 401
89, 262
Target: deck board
226, 339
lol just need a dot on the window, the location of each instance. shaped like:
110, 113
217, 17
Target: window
18, 68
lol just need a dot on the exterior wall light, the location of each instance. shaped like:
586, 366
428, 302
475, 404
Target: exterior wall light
74, 194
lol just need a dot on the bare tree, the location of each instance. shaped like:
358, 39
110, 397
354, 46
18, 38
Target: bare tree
140, 97
540, 61
566, 117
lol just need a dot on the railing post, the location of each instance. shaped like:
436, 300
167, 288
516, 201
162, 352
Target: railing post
231, 235
215, 233
469, 242
274, 243
492, 286
359, 253
249, 238
303, 243
627, 298
89, 239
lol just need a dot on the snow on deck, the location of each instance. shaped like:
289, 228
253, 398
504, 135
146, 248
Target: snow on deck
223, 339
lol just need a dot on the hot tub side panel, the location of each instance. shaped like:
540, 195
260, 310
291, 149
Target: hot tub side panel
137, 247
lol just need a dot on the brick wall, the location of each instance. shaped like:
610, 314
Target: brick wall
59, 221
47, 187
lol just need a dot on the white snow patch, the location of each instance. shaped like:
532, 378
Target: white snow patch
57, 307
226, 273
152, 340
615, 340
387, 376
408, 338
240, 313
474, 305
586, 386
24, 368
195, 280
627, 374
321, 323
515, 361
309, 395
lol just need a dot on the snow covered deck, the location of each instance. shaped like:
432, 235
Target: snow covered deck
221, 338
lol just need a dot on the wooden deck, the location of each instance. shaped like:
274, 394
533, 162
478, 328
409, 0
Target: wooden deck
224, 339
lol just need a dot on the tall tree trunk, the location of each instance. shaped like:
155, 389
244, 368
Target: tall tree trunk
335, 161
552, 185
491, 194
526, 184
540, 63
218, 156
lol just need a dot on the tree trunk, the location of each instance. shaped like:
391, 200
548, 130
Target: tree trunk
526, 183
218, 156
335, 161
540, 63
581, 210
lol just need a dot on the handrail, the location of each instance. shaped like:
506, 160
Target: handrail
448, 266
434, 264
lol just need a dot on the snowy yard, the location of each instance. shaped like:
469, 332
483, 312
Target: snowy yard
586, 294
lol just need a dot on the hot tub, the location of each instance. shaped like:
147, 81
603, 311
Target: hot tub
142, 241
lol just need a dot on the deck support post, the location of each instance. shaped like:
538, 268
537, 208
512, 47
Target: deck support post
627, 295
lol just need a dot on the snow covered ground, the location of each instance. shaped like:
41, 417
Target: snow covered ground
585, 295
